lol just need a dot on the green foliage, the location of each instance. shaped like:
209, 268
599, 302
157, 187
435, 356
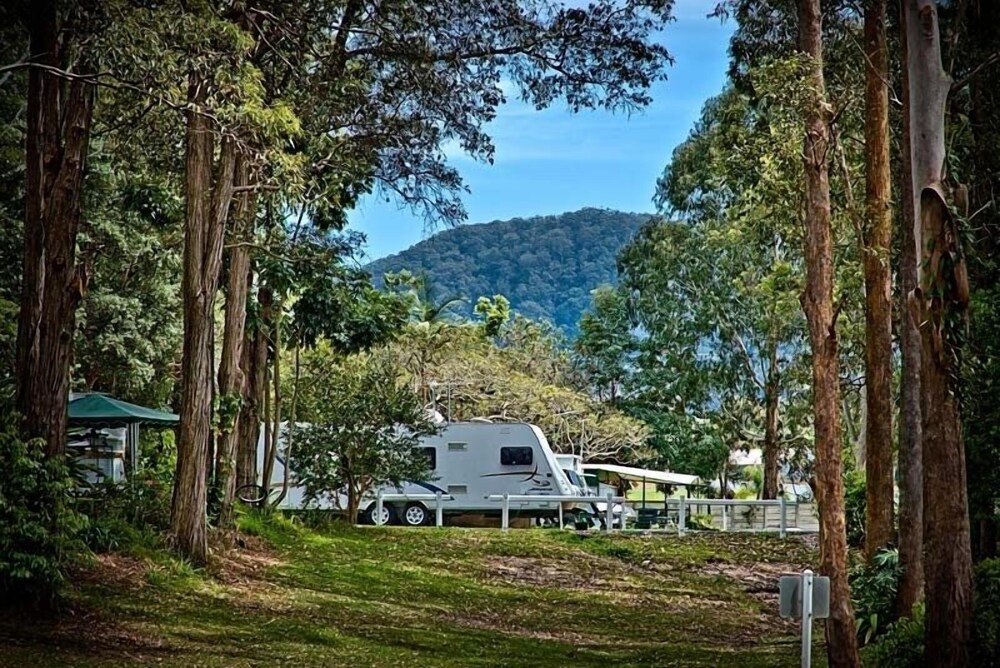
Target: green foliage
38, 526
494, 312
873, 589
523, 374
854, 507
363, 424
987, 599
546, 266
902, 645
130, 514
701, 522
605, 344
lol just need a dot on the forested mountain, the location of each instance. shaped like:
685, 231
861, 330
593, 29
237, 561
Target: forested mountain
546, 265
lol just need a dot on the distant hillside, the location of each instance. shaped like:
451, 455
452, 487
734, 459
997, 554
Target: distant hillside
546, 265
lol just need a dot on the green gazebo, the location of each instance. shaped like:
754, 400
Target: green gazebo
95, 411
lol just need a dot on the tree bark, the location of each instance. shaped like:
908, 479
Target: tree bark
59, 117
911, 491
271, 452
879, 496
817, 301
250, 412
772, 444
207, 200
232, 382
940, 303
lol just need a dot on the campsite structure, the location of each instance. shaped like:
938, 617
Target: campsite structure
470, 461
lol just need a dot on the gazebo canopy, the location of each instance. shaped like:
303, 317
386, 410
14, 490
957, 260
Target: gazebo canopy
100, 410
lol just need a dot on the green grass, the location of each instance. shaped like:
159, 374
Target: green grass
346, 596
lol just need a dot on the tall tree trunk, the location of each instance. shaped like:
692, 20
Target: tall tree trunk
772, 444
939, 303
250, 413
911, 476
276, 436
817, 301
206, 208
232, 382
879, 496
59, 117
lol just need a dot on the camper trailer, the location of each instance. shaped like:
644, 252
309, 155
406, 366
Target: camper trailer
470, 461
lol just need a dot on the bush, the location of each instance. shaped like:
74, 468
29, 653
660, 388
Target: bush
987, 599
873, 590
854, 507
128, 514
38, 527
901, 646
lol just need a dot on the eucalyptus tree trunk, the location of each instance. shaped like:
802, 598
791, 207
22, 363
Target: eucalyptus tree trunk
940, 304
273, 414
911, 483
232, 383
817, 301
59, 115
772, 441
879, 496
255, 371
208, 192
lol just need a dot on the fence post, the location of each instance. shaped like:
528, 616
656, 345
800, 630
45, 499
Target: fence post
379, 506
621, 524
725, 519
609, 514
782, 520
807, 617
682, 517
439, 509
560, 515
505, 514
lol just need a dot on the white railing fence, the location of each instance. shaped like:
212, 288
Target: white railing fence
685, 509
727, 506
506, 499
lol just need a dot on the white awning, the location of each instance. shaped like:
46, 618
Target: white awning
644, 475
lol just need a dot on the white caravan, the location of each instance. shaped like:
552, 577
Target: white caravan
470, 461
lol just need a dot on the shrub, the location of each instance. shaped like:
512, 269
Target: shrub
873, 590
854, 507
901, 646
38, 527
702, 522
127, 514
987, 600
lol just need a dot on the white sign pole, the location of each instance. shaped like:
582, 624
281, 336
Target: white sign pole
807, 618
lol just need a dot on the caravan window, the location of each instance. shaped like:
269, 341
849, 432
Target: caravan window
432, 457
516, 456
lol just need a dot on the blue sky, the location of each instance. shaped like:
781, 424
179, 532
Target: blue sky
552, 161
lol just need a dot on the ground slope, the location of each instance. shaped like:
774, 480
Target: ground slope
547, 265
439, 597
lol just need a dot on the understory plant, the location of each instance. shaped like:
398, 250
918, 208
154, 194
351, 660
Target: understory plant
39, 528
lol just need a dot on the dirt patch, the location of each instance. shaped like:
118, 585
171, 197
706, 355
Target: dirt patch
533, 571
113, 570
503, 624
245, 563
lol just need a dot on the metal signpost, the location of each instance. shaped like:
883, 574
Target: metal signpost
805, 597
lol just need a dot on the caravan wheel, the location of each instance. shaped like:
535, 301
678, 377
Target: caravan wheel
388, 516
415, 515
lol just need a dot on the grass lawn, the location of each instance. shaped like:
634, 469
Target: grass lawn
427, 597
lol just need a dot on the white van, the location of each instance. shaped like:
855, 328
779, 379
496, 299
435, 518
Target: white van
470, 461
